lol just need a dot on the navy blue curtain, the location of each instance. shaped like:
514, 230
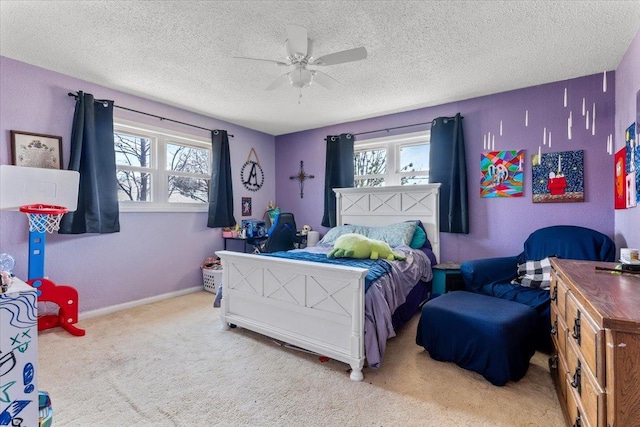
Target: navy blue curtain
221, 191
338, 173
93, 156
447, 165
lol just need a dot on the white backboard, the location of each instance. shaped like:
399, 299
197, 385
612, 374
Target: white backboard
21, 185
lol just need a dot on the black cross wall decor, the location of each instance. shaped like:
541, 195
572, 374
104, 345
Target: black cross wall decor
301, 176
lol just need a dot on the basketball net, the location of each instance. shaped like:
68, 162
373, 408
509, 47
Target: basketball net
44, 218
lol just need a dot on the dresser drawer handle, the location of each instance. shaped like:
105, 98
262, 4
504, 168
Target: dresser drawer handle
578, 422
554, 328
576, 383
554, 294
576, 328
553, 362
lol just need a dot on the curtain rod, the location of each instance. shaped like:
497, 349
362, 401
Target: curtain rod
399, 127
75, 95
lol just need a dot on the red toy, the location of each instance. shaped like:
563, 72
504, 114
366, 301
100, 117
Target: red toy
67, 299
46, 219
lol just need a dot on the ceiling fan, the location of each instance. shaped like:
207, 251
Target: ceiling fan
299, 49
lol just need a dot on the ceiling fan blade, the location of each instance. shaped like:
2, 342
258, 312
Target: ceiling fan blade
350, 55
278, 82
297, 40
263, 60
324, 80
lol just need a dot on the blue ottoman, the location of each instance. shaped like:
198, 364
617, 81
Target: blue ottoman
488, 335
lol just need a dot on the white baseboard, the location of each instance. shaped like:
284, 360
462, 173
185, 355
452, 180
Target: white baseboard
131, 304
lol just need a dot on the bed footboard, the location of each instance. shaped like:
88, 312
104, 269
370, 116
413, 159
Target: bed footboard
317, 307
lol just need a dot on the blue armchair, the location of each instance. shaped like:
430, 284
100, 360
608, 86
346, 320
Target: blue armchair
493, 276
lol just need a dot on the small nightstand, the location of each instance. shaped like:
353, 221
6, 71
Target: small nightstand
237, 243
447, 278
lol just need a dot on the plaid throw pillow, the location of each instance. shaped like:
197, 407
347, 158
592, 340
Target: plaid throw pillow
534, 274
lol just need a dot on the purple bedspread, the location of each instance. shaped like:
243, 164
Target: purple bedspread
385, 295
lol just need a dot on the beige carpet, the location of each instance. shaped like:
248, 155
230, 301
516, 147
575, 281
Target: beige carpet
170, 364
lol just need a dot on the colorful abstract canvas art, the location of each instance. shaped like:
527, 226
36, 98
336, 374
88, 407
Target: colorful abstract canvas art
558, 177
620, 177
633, 166
501, 173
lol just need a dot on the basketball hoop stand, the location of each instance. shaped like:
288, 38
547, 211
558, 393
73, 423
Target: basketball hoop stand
46, 219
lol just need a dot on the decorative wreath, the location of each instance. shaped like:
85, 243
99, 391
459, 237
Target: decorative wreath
253, 178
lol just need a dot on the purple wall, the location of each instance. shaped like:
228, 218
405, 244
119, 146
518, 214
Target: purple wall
627, 87
155, 253
499, 226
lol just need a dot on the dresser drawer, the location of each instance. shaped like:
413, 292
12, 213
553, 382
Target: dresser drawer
574, 407
584, 332
558, 331
563, 370
589, 392
558, 291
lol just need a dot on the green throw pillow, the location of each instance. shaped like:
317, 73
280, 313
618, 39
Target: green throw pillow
419, 237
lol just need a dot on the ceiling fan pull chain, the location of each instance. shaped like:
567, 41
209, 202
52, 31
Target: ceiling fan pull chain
300, 97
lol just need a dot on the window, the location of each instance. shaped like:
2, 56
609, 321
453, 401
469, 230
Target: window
395, 160
159, 170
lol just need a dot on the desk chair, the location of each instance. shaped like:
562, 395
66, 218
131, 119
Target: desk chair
280, 237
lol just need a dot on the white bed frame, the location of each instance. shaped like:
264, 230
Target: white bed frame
320, 307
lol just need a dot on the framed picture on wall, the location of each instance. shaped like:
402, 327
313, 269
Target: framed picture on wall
620, 169
558, 177
36, 150
501, 173
246, 206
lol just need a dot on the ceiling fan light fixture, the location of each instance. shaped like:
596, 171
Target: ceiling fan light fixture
300, 77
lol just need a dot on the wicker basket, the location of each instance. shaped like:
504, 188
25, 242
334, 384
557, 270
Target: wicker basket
212, 279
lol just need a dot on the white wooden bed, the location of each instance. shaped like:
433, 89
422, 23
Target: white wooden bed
320, 307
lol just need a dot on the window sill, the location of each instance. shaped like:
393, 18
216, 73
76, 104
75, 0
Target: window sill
128, 208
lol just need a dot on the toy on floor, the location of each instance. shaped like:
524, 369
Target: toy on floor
6, 266
44, 195
66, 298
46, 218
45, 416
352, 245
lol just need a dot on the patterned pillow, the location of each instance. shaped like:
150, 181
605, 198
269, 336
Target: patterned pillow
394, 234
331, 236
534, 274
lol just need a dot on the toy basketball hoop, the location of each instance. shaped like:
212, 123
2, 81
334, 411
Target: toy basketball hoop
44, 218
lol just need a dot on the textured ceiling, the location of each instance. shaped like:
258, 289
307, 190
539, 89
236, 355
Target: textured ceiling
421, 53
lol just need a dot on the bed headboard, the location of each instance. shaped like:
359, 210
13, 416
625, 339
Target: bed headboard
379, 206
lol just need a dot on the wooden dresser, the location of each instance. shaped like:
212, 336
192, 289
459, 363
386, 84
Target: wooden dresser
595, 327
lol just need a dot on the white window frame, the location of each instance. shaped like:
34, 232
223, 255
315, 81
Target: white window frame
157, 169
393, 144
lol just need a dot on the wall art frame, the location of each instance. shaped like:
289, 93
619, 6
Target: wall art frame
502, 173
246, 206
558, 177
36, 150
